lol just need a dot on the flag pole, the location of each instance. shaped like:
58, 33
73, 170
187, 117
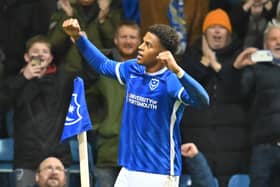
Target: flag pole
83, 153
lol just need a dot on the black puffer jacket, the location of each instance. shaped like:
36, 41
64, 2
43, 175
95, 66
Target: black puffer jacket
261, 83
40, 107
221, 130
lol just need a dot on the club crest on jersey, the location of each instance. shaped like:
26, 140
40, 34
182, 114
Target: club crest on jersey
73, 115
153, 84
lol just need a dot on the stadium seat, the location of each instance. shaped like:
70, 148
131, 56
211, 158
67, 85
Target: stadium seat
6, 162
74, 168
6, 155
239, 180
185, 181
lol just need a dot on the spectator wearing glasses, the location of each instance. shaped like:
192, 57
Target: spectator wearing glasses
51, 173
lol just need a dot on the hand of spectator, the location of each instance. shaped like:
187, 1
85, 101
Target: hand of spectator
72, 28
209, 56
247, 5
244, 58
214, 64
104, 6
189, 150
66, 7
267, 4
31, 71
205, 50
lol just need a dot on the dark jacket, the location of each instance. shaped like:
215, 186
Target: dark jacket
220, 130
40, 107
261, 83
19, 21
200, 172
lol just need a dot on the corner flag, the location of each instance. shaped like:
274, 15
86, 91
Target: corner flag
77, 119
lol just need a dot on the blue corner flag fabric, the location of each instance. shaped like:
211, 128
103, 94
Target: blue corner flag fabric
77, 119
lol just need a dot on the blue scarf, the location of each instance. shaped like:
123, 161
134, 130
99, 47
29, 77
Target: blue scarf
178, 22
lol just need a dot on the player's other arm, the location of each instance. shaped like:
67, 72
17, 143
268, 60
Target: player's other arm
195, 91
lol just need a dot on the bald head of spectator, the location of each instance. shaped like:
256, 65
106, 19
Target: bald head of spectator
51, 173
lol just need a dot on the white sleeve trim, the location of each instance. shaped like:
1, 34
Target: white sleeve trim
180, 96
118, 73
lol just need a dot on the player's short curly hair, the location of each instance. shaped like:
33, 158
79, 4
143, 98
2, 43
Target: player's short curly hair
168, 37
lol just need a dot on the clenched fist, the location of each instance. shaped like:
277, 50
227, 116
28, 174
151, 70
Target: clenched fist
189, 150
72, 28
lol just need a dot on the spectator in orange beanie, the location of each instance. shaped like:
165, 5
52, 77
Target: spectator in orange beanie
213, 129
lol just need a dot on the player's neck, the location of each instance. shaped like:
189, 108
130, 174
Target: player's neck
155, 68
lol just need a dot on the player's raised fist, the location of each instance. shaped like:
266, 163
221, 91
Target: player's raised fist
72, 28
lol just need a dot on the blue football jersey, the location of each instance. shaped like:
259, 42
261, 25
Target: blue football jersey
150, 134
